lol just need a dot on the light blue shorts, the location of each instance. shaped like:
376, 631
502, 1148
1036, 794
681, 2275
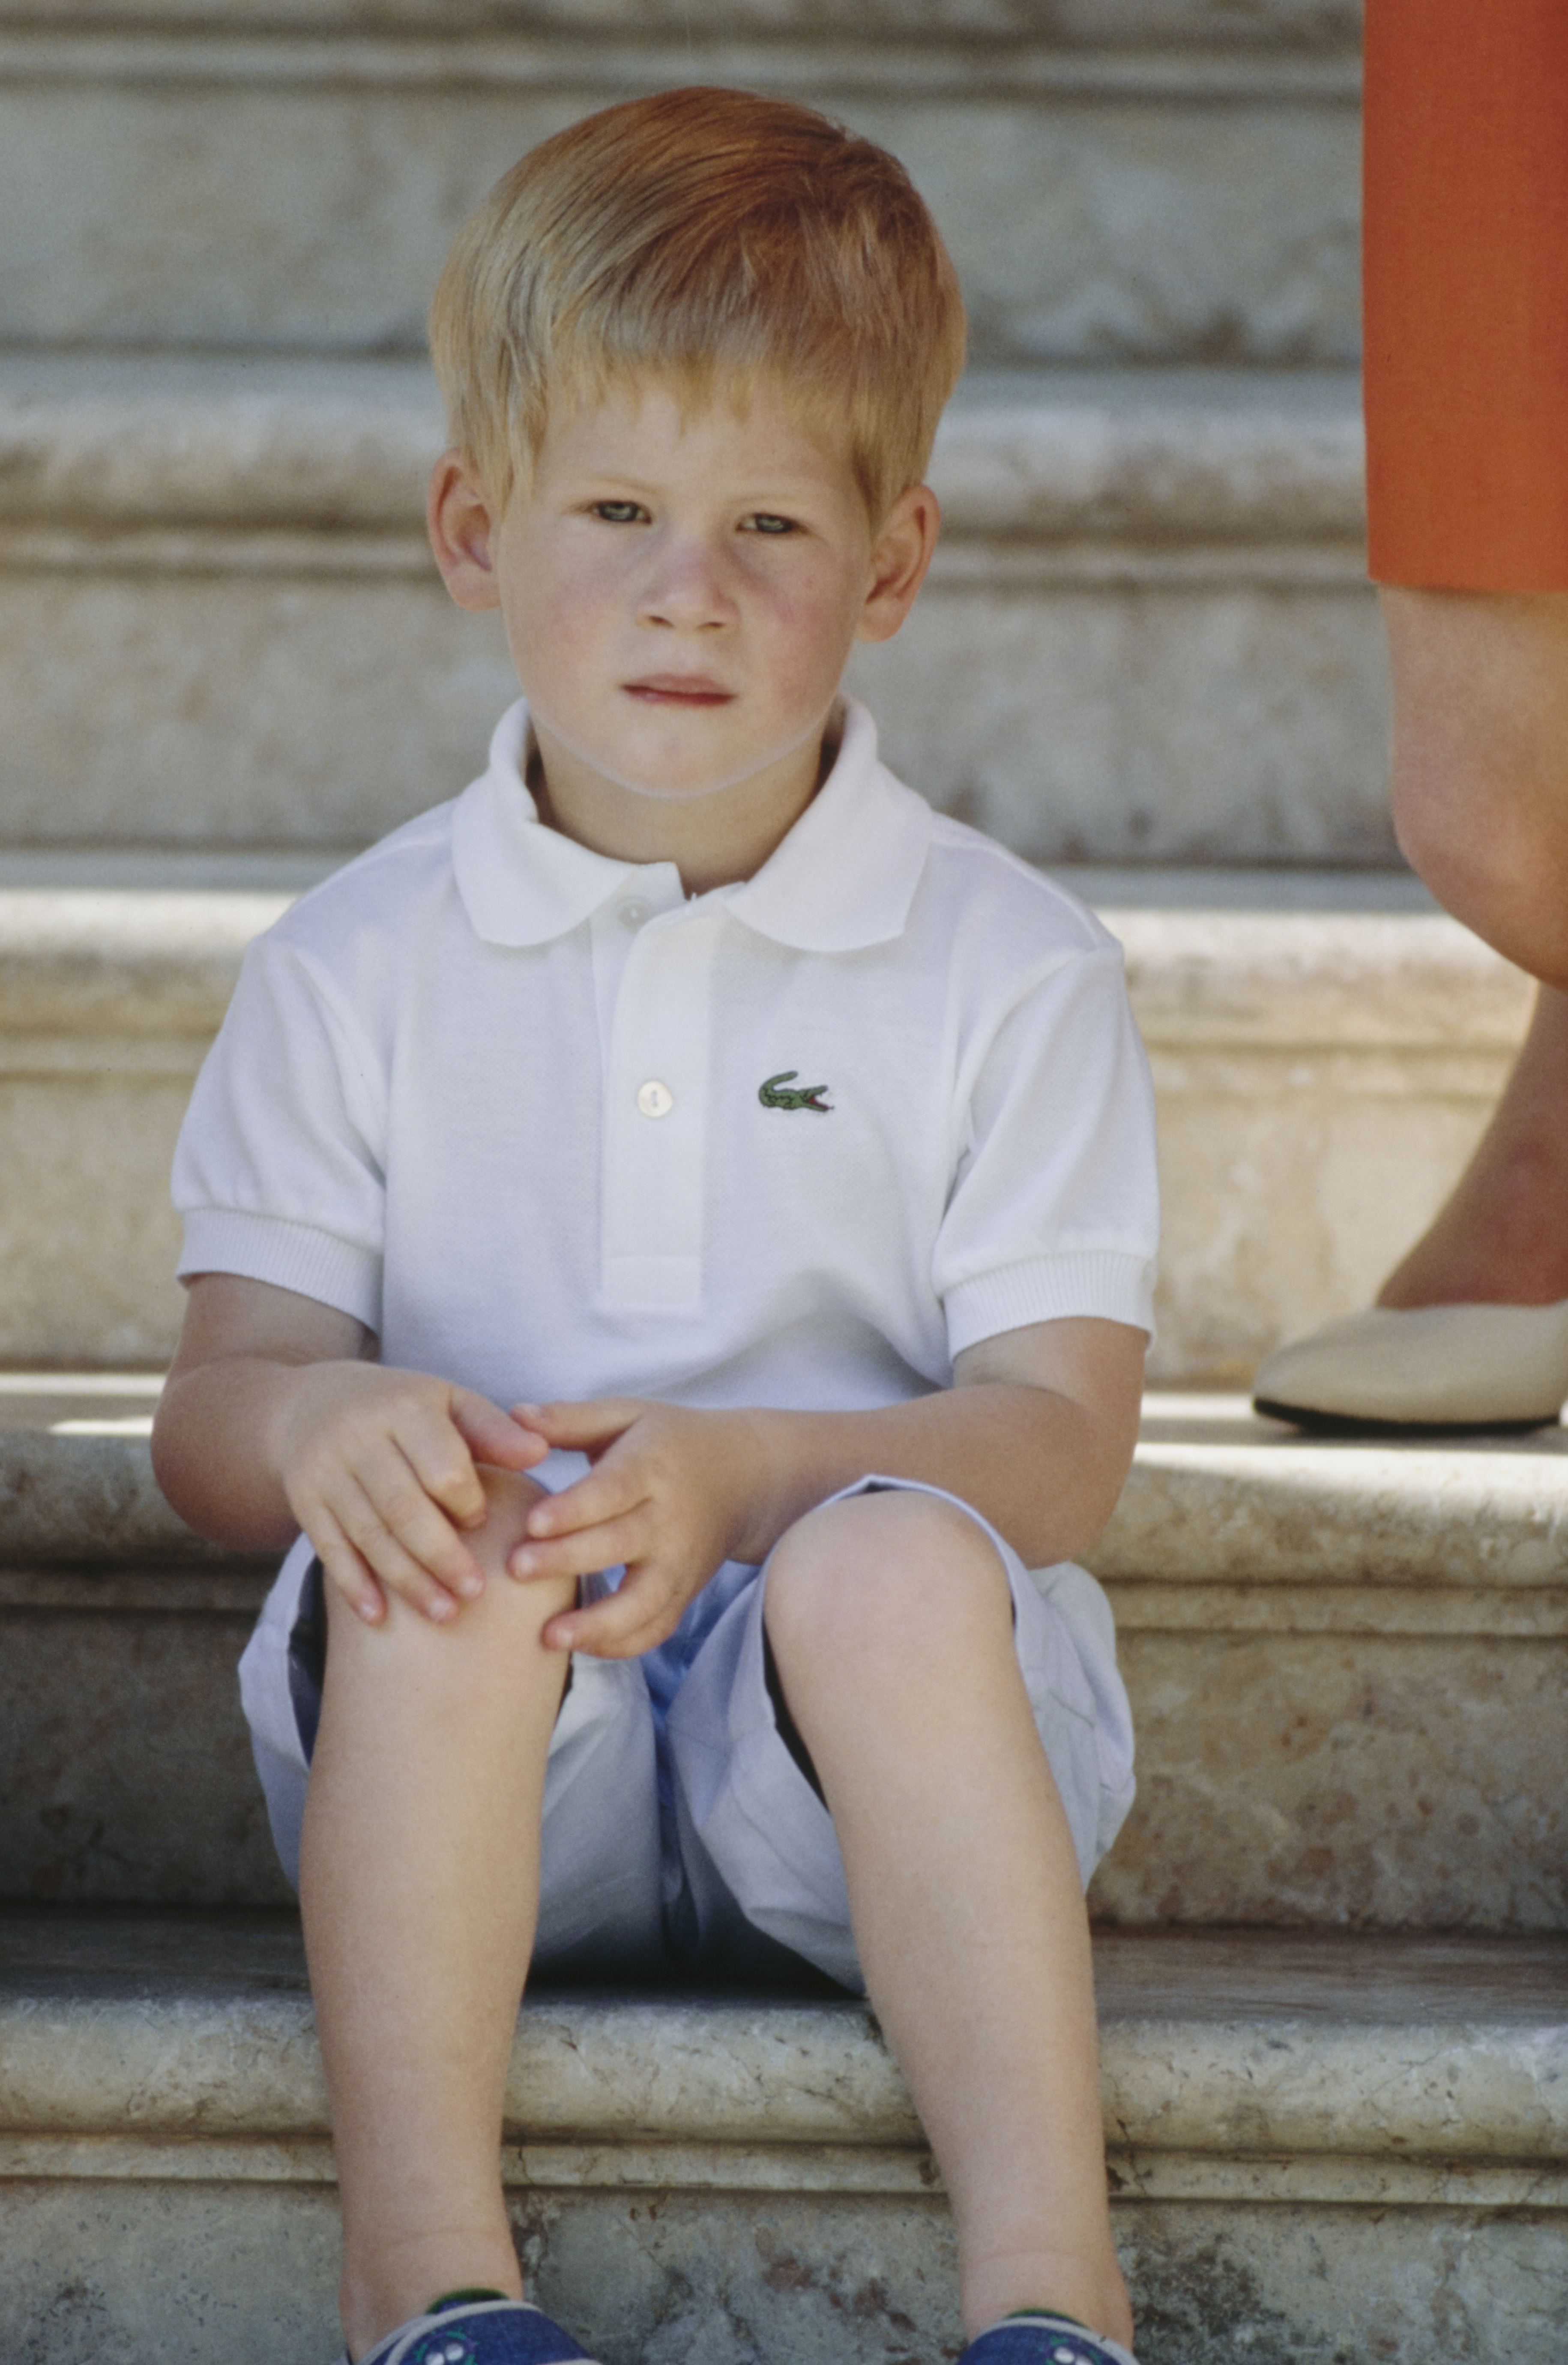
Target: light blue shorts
681, 1828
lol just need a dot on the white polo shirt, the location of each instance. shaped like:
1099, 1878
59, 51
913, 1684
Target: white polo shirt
551, 1129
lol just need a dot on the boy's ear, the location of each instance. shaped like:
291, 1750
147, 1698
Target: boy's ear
462, 526
898, 560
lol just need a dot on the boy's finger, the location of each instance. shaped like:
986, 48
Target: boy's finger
644, 1611
444, 1469
608, 1493
581, 1426
493, 1435
612, 1544
344, 1568
398, 1532
420, 1530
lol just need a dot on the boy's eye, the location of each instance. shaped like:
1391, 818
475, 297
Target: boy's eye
619, 512
765, 522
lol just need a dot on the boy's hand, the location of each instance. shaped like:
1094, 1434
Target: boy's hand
666, 1496
378, 1467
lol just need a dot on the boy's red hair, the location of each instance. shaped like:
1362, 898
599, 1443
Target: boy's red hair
706, 238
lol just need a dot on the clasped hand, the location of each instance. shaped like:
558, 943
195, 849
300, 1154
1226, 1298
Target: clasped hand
383, 1471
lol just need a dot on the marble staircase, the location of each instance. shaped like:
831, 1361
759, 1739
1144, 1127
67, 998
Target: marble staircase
1333, 1940
1331, 1956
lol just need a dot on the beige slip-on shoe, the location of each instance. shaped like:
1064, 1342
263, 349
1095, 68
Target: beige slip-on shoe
1431, 1367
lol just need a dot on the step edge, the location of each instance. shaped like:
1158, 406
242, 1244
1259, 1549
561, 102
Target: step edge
1138, 2174
111, 445
1454, 2088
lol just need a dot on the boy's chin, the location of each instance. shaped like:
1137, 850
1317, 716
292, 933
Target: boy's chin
677, 785
673, 766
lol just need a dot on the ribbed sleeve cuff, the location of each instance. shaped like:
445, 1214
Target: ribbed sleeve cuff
1116, 1287
291, 1256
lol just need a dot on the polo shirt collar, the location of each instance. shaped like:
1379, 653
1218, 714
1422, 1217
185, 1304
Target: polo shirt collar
521, 884
843, 878
845, 875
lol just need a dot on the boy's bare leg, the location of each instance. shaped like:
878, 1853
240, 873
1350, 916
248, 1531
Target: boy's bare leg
420, 1884
1502, 1237
890, 1621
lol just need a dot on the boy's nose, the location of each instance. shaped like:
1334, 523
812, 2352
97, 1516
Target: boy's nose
686, 587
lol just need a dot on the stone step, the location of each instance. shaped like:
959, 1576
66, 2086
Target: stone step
1131, 194
1321, 2146
1324, 1054
1346, 1663
1279, 29
1147, 635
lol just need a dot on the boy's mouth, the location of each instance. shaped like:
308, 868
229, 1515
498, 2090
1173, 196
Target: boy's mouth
678, 689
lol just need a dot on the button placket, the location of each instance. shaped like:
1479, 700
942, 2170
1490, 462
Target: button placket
655, 1117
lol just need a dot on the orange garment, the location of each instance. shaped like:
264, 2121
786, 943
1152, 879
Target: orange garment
1465, 247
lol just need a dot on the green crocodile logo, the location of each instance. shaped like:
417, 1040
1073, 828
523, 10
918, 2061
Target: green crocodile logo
782, 1092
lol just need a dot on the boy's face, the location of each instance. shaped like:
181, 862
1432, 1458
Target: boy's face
681, 593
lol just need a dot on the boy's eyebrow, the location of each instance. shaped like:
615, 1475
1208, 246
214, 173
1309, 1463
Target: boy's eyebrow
786, 488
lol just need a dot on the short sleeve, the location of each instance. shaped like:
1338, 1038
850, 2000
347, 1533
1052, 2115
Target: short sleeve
1055, 1211
279, 1173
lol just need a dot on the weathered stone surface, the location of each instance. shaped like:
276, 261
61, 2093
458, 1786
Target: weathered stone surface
1283, 2286
1238, 2042
780, 2228
285, 710
1219, 980
87, 1241
147, 2272
88, 1500
123, 1759
1314, 25
108, 441
1321, 1083
777, 2280
1139, 722
1334, 1721
1217, 1495
111, 962
1360, 1778
319, 184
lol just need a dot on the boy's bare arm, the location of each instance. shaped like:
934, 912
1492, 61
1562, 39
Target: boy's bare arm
1037, 1433
275, 1420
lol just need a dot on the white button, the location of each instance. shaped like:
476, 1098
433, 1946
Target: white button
631, 915
655, 1099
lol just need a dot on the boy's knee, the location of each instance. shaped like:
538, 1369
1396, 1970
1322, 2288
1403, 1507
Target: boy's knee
509, 1495
882, 1573
495, 1636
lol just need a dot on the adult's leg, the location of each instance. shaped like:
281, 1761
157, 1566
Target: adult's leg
419, 1884
1502, 1239
1479, 758
1466, 279
890, 1621
1479, 788
1465, 381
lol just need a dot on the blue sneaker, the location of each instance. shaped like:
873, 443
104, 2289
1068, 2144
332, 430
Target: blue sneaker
476, 2332
1044, 2340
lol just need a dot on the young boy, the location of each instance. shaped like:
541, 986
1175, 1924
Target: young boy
779, 1153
